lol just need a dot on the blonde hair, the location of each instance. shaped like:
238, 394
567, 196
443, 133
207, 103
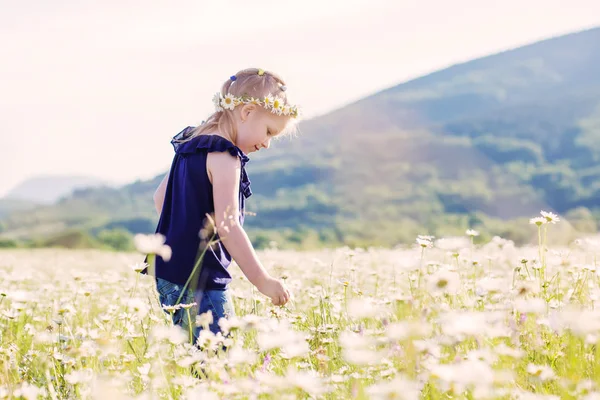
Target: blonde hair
247, 82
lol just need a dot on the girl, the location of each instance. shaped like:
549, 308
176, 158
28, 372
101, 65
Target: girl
208, 178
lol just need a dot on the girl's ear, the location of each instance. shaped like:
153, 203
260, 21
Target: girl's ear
246, 110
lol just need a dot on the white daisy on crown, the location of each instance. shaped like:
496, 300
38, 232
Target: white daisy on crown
272, 103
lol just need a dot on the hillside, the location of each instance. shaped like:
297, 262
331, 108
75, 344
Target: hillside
503, 137
9, 206
49, 188
484, 144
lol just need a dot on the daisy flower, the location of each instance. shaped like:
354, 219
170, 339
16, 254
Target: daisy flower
471, 232
268, 102
286, 110
139, 267
256, 101
426, 237
217, 101
424, 242
538, 221
542, 372
152, 244
294, 111
550, 217
444, 281
228, 102
171, 308
277, 106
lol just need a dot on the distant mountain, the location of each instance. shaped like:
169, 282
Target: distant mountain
485, 144
49, 188
8, 206
490, 140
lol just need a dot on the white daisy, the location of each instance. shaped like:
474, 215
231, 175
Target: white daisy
152, 244
204, 319
550, 217
542, 372
277, 106
424, 242
286, 110
217, 102
228, 102
268, 102
538, 221
443, 281
254, 100
471, 232
139, 267
27, 391
294, 111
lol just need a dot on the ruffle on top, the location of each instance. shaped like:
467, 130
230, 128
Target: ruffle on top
212, 143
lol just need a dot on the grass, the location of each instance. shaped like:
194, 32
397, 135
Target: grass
445, 319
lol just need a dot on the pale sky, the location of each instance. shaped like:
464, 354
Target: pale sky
99, 88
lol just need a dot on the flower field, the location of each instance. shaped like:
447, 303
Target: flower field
447, 318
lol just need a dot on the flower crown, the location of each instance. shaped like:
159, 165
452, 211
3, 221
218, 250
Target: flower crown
272, 103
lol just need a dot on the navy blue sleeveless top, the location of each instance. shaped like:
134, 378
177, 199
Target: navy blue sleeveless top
188, 198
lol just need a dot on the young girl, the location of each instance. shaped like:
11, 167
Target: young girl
208, 177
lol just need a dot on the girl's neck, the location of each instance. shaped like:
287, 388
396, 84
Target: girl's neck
217, 133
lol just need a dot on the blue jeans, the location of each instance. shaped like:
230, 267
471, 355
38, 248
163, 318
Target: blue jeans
218, 302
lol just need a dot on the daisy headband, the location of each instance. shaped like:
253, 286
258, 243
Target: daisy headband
271, 103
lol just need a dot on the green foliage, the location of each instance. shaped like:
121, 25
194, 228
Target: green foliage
8, 244
70, 239
132, 225
505, 150
116, 239
260, 240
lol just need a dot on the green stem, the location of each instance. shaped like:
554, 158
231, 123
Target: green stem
545, 243
187, 310
472, 245
420, 267
134, 352
540, 243
198, 265
135, 285
152, 265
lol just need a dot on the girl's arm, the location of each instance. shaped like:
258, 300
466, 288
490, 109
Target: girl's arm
159, 194
224, 173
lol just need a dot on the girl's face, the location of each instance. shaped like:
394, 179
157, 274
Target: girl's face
256, 127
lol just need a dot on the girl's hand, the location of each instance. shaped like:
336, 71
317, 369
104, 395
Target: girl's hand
277, 291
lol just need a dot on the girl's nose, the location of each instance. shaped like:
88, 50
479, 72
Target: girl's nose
267, 144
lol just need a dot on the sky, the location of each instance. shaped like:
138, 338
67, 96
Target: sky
98, 88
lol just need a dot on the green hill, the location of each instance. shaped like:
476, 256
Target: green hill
485, 144
46, 189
